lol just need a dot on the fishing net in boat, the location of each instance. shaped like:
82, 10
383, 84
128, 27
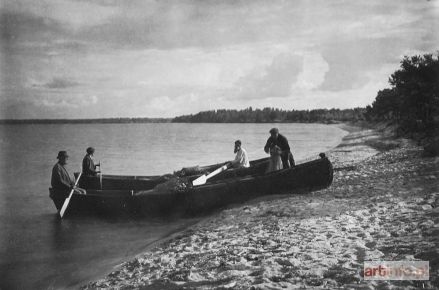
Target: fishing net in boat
176, 184
188, 171
179, 181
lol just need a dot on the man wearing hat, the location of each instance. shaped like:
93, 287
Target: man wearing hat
241, 159
88, 166
279, 140
61, 182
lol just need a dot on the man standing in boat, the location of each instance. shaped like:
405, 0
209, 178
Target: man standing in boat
61, 182
241, 159
279, 140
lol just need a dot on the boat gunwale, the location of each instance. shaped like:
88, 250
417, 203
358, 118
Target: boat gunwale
220, 182
155, 177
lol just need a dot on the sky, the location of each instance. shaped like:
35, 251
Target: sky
107, 58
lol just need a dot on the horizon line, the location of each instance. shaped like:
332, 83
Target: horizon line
157, 118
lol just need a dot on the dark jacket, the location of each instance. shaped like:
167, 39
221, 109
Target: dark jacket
281, 141
88, 166
61, 181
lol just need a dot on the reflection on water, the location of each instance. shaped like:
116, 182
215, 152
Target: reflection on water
38, 251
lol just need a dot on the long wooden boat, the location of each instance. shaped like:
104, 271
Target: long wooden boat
232, 186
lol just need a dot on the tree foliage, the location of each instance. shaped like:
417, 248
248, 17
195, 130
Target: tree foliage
413, 98
270, 115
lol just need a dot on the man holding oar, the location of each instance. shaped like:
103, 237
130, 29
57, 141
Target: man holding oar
89, 170
61, 182
88, 165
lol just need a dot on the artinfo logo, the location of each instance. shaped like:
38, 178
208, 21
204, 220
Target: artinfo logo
396, 270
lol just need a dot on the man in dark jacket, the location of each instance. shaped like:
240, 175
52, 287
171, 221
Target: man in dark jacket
88, 165
279, 140
89, 171
61, 182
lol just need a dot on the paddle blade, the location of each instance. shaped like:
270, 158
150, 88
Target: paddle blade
200, 180
64, 206
66, 202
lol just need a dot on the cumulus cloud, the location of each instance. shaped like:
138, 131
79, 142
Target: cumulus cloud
71, 102
272, 81
313, 74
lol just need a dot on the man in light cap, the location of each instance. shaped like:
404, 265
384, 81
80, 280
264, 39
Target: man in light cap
88, 166
241, 159
279, 140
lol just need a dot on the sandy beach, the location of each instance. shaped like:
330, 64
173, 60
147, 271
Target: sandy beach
382, 205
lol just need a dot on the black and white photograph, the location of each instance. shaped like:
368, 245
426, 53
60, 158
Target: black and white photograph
219, 144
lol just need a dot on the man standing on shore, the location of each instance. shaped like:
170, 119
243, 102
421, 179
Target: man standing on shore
279, 140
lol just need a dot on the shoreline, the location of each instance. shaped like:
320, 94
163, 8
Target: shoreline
377, 199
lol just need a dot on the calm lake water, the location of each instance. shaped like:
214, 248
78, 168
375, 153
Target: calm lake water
39, 252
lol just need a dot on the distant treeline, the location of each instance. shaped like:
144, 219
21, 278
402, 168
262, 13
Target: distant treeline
412, 101
270, 115
86, 121
249, 115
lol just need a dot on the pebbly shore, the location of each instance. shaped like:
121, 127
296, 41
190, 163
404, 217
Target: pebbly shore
383, 205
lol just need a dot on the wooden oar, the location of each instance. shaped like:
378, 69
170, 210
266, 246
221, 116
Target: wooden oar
100, 174
66, 202
203, 178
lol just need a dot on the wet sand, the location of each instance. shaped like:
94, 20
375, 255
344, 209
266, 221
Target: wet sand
382, 205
